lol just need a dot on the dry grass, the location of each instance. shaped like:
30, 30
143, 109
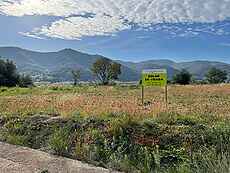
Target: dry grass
187, 100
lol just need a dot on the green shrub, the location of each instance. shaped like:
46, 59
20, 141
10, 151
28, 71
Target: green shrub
3, 89
208, 161
60, 141
54, 88
221, 137
100, 151
25, 81
16, 139
121, 163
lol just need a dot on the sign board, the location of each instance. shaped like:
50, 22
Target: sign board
154, 77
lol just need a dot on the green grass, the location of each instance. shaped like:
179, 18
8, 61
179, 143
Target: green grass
55, 89
60, 141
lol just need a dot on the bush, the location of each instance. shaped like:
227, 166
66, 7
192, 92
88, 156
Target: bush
60, 141
16, 139
25, 81
208, 161
183, 77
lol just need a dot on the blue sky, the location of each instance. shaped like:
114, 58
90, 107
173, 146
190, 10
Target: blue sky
132, 30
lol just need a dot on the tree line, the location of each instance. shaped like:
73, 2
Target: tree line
213, 76
105, 71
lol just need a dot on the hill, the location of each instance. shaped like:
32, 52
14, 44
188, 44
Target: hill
57, 66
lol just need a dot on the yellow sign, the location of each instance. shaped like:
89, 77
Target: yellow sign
154, 77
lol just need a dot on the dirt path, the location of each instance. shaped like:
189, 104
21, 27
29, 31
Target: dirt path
14, 159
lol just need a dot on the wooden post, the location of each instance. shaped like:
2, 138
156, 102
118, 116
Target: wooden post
142, 94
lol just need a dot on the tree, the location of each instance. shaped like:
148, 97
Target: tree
215, 76
9, 76
183, 77
114, 71
25, 81
106, 70
76, 76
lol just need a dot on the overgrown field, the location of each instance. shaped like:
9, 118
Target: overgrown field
98, 100
109, 127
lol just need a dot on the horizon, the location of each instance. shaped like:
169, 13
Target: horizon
179, 31
116, 59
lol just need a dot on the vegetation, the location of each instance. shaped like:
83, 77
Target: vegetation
215, 76
105, 70
25, 81
165, 143
59, 141
209, 100
76, 76
183, 77
9, 76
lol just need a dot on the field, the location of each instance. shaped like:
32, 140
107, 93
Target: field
108, 125
96, 101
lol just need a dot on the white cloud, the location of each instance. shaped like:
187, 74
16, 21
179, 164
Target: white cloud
77, 27
116, 15
192, 29
27, 34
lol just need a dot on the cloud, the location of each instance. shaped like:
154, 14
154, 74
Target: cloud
27, 34
192, 29
76, 27
111, 16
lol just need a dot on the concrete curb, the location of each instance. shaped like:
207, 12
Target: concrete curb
16, 159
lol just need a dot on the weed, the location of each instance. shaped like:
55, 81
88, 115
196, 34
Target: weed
60, 141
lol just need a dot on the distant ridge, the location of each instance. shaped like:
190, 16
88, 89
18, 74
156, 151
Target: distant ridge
57, 66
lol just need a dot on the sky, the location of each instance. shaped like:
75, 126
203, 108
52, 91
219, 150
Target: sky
131, 30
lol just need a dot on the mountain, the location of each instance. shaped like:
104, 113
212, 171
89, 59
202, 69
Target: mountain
138, 67
197, 68
57, 66
200, 68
